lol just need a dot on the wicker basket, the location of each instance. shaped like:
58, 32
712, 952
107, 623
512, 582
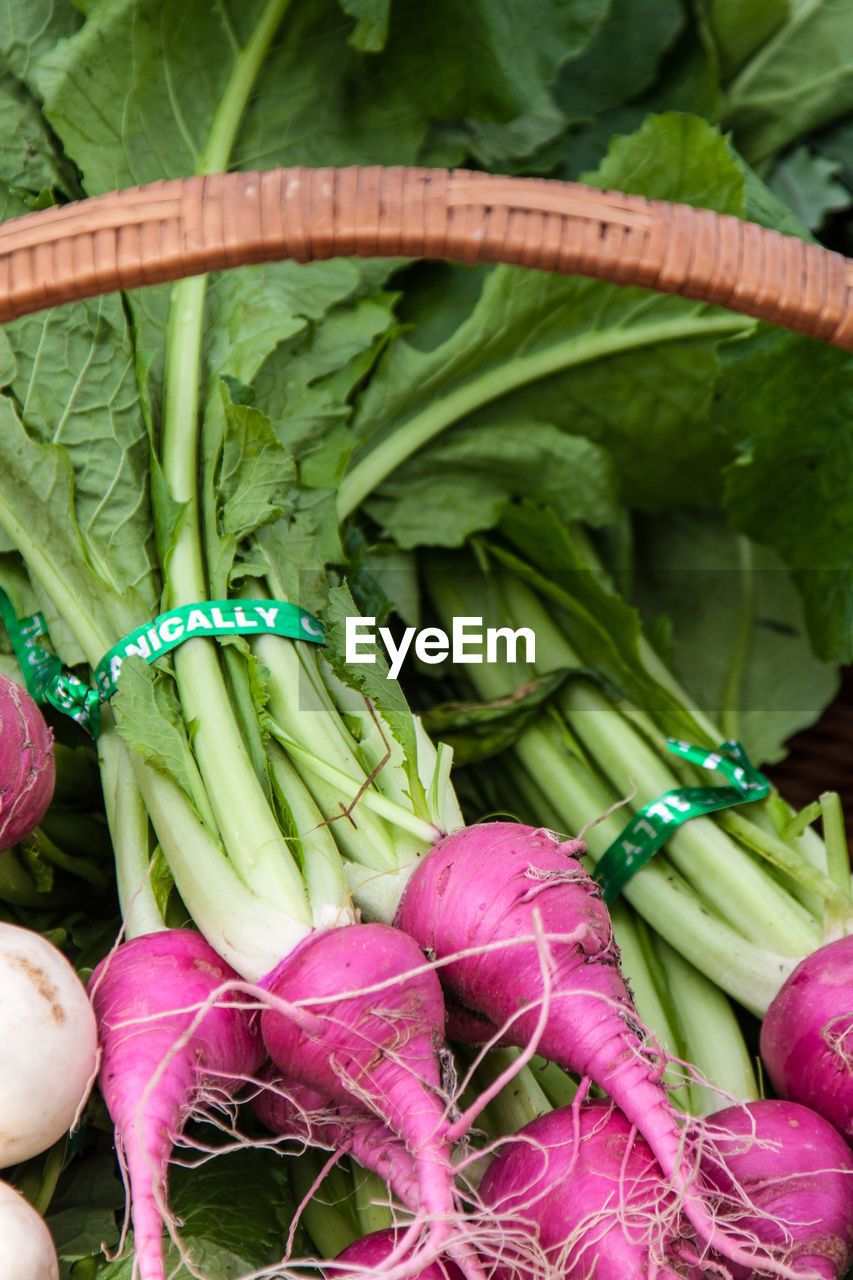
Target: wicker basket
167, 230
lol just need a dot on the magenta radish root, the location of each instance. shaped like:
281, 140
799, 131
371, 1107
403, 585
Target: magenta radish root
796, 1171
161, 1057
27, 767
485, 887
295, 1112
588, 1201
376, 1044
807, 1035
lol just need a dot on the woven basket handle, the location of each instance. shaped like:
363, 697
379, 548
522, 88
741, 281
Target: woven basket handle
183, 227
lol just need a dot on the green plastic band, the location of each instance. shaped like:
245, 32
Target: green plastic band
210, 618
44, 675
48, 681
653, 825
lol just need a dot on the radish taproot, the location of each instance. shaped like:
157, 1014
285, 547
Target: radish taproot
46, 1022
27, 767
295, 1112
165, 1046
482, 894
27, 1251
588, 1199
374, 1039
797, 1172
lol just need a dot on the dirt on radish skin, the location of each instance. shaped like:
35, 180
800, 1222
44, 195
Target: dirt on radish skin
27, 766
49, 1041
797, 1171
376, 1049
588, 1200
498, 883
160, 1058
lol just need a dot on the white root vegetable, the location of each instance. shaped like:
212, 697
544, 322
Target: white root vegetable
27, 1251
48, 1046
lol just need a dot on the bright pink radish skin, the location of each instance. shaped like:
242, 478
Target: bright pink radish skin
807, 1035
798, 1172
27, 767
584, 1190
366, 1256
146, 996
379, 1051
293, 1111
489, 884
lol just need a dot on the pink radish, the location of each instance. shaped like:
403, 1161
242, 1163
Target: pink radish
485, 887
807, 1035
588, 1199
367, 1255
798, 1172
377, 1049
293, 1111
27, 767
157, 1064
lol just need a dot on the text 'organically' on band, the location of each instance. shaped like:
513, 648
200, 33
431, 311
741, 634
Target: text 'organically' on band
48, 681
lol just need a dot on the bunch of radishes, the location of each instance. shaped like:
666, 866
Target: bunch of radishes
48, 1035
503, 921
353, 1020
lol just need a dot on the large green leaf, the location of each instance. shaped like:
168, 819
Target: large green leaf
622, 59
37, 513
807, 182
741, 27
457, 487
787, 404
623, 367
30, 28
799, 79
739, 643
76, 386
316, 100
29, 160
491, 60
371, 28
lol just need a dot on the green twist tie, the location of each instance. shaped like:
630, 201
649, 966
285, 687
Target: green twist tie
48, 681
653, 825
209, 618
44, 675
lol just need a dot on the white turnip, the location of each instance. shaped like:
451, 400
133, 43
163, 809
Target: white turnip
26, 1248
48, 1044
